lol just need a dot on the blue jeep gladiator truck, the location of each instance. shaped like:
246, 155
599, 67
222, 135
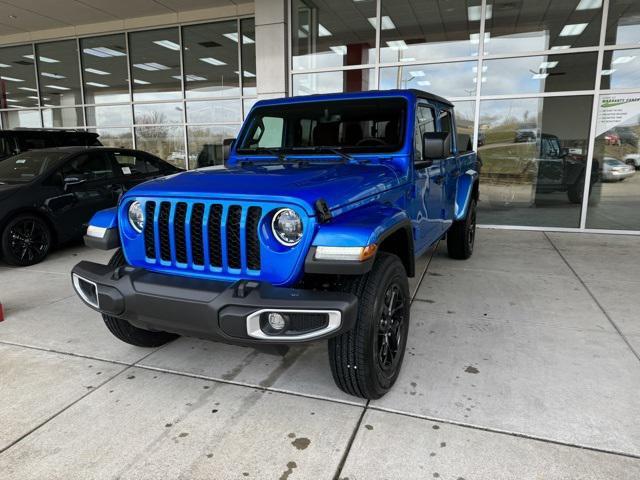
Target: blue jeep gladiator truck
309, 233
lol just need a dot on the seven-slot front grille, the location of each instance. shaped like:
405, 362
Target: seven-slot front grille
196, 232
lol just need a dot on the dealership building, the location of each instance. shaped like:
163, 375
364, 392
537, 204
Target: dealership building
549, 90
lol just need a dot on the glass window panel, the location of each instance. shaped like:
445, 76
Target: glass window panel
446, 79
21, 118
334, 82
109, 115
115, 137
155, 64
166, 142
104, 69
553, 73
17, 78
205, 144
249, 78
248, 105
534, 155
332, 33
418, 30
217, 111
465, 113
620, 69
623, 22
614, 202
211, 59
159, 113
62, 117
59, 73
531, 25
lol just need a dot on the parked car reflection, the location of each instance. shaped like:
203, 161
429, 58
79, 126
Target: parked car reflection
614, 170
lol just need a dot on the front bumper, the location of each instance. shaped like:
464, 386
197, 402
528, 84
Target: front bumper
222, 311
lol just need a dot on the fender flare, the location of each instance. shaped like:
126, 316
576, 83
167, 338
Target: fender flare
360, 227
464, 193
102, 232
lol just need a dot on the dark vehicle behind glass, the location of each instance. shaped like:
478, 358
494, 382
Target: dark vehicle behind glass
13, 142
48, 196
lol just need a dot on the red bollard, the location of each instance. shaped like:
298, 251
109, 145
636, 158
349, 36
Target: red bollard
1, 313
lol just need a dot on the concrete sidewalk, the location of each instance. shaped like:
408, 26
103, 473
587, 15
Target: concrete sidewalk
522, 362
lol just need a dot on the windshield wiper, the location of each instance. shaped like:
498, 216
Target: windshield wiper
337, 151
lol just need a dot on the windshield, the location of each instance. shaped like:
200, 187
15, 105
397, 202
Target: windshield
369, 125
27, 166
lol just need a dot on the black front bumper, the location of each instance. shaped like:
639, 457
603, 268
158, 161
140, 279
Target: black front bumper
205, 308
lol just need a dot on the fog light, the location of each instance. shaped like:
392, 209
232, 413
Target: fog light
277, 321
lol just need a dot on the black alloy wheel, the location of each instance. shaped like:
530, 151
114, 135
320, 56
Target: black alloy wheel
26, 241
391, 329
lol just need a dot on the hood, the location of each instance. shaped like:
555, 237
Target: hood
337, 184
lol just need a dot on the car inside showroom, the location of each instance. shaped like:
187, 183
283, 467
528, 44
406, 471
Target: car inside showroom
309, 239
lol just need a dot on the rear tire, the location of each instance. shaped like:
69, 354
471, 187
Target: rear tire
365, 361
124, 330
462, 235
26, 240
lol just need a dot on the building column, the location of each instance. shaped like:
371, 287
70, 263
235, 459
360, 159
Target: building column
272, 52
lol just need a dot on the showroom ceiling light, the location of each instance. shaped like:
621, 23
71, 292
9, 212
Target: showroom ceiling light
96, 71
96, 84
625, 59
42, 59
424, 83
545, 65
52, 75
12, 100
190, 78
474, 38
539, 76
4, 65
560, 47
103, 52
484, 69
417, 73
151, 66
212, 61
573, 29
397, 44
608, 72
167, 44
475, 13
246, 74
27, 89
339, 49
57, 87
589, 4
140, 82
385, 22
322, 31
234, 37
11, 79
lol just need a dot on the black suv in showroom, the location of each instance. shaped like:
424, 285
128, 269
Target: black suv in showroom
13, 142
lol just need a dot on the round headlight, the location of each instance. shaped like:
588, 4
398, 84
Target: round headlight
287, 227
136, 216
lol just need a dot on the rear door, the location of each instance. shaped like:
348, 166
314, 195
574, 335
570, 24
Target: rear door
427, 207
91, 185
136, 167
450, 168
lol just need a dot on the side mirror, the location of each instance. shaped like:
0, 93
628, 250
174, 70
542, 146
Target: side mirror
434, 145
227, 144
71, 181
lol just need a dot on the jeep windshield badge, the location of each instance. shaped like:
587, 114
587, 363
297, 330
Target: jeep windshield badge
253, 254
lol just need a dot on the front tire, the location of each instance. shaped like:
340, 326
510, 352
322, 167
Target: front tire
126, 332
26, 240
365, 361
461, 236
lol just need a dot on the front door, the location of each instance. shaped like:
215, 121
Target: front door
426, 211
